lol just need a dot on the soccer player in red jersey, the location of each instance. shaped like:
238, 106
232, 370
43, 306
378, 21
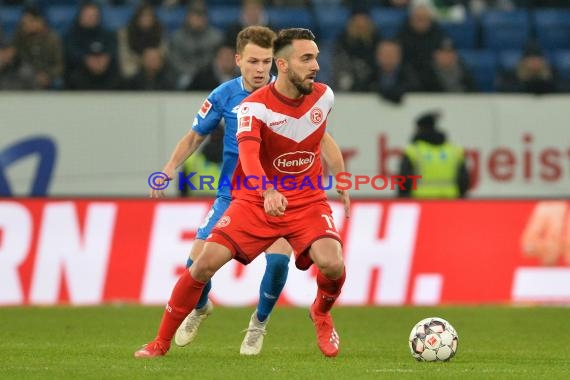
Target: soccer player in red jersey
277, 191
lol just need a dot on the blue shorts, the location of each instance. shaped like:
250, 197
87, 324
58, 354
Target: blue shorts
218, 209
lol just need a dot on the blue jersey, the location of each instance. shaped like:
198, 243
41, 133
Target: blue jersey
223, 102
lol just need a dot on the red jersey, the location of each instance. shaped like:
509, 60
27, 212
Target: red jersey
290, 133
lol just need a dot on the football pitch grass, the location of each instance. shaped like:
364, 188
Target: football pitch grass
98, 343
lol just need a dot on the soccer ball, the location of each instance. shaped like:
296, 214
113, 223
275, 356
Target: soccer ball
433, 339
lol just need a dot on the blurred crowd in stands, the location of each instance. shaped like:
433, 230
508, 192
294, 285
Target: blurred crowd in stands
391, 47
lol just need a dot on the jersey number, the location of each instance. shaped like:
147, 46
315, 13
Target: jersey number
329, 221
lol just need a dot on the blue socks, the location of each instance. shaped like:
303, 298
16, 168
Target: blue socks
272, 284
204, 297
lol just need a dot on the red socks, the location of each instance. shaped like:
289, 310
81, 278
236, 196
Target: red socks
183, 300
328, 291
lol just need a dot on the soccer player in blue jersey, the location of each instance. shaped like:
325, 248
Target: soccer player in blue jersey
254, 56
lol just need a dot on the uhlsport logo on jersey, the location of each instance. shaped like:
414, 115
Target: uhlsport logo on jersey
294, 162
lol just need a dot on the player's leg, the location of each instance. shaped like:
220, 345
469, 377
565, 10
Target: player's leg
188, 330
314, 238
274, 278
326, 253
272, 284
185, 296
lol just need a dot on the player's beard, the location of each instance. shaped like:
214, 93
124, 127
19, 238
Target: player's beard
304, 89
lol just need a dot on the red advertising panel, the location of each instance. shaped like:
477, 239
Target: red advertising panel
462, 252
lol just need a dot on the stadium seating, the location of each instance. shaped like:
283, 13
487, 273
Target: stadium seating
114, 18
483, 65
225, 2
552, 28
9, 18
330, 22
325, 60
171, 18
561, 61
388, 20
223, 16
280, 18
508, 59
463, 34
491, 42
505, 30
60, 17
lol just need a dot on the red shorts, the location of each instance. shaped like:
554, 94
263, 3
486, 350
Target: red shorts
246, 230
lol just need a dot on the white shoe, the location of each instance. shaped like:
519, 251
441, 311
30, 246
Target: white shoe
253, 340
189, 327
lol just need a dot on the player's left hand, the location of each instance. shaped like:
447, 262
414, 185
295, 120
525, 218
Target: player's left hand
345, 197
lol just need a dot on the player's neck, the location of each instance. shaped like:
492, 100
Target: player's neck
287, 89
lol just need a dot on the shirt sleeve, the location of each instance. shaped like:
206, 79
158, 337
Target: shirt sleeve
251, 165
251, 117
209, 115
250, 122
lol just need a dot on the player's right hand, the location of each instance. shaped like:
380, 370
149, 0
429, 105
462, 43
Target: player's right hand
155, 193
274, 203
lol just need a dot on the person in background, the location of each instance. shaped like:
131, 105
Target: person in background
440, 164
353, 65
221, 70
252, 13
154, 74
38, 47
206, 162
87, 29
420, 36
193, 46
447, 73
143, 31
532, 75
14, 75
392, 78
96, 71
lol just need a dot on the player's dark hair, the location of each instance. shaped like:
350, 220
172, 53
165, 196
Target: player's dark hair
258, 35
285, 38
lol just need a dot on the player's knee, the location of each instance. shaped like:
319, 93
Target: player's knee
335, 269
280, 246
202, 271
331, 267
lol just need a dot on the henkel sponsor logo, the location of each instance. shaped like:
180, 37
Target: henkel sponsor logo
294, 162
396, 253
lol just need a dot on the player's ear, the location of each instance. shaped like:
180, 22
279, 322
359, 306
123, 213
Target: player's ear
282, 64
238, 59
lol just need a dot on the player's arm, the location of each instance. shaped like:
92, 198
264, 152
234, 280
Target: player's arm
249, 143
274, 202
333, 158
207, 119
184, 149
